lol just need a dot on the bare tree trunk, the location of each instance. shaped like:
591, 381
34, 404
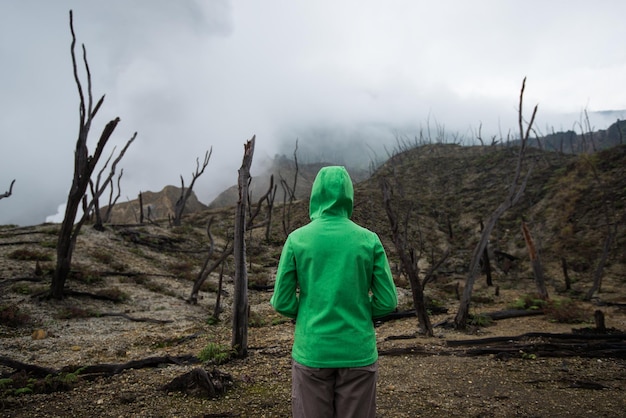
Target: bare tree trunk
267, 197
599, 271
289, 194
218, 297
568, 282
185, 194
113, 201
485, 260
535, 263
515, 193
84, 165
240, 302
611, 232
409, 264
205, 271
140, 208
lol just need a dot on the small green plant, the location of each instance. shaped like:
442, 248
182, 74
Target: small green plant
528, 356
49, 244
215, 353
280, 320
211, 320
528, 302
6, 382
22, 288
480, 320
256, 320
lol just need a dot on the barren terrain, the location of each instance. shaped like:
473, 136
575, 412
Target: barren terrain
128, 289
419, 376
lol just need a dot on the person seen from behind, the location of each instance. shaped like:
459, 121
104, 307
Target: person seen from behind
333, 278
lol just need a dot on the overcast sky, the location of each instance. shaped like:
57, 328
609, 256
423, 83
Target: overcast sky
189, 75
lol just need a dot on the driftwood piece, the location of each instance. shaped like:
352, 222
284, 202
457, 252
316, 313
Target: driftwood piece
200, 382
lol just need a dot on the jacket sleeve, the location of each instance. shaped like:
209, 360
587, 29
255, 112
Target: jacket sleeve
384, 296
284, 300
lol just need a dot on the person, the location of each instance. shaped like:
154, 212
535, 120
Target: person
333, 278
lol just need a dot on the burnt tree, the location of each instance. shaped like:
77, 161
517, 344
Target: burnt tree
240, 302
84, 165
516, 189
535, 262
206, 268
289, 194
611, 229
186, 193
407, 259
96, 191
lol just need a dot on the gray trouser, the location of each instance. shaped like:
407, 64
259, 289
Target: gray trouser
333, 393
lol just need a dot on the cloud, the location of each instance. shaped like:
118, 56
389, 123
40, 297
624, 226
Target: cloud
190, 75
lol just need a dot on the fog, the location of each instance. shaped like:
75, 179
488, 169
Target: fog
345, 79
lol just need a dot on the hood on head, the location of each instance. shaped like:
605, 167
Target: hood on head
332, 193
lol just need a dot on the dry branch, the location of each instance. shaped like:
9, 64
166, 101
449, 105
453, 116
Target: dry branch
8, 192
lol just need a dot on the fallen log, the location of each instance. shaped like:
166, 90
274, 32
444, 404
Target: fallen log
547, 345
105, 369
530, 335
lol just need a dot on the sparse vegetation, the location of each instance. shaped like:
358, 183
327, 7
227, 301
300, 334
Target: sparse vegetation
114, 294
529, 301
154, 258
215, 353
567, 311
27, 254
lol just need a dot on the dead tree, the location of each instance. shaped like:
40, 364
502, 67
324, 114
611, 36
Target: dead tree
206, 269
535, 262
268, 198
289, 194
113, 200
608, 211
140, 208
407, 259
95, 193
84, 165
240, 299
8, 192
516, 189
179, 207
486, 262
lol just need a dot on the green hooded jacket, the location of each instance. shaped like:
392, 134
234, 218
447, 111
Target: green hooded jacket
333, 278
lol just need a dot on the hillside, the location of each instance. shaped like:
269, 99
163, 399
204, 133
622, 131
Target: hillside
131, 282
156, 206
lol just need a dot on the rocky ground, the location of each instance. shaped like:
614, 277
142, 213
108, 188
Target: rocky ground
419, 376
